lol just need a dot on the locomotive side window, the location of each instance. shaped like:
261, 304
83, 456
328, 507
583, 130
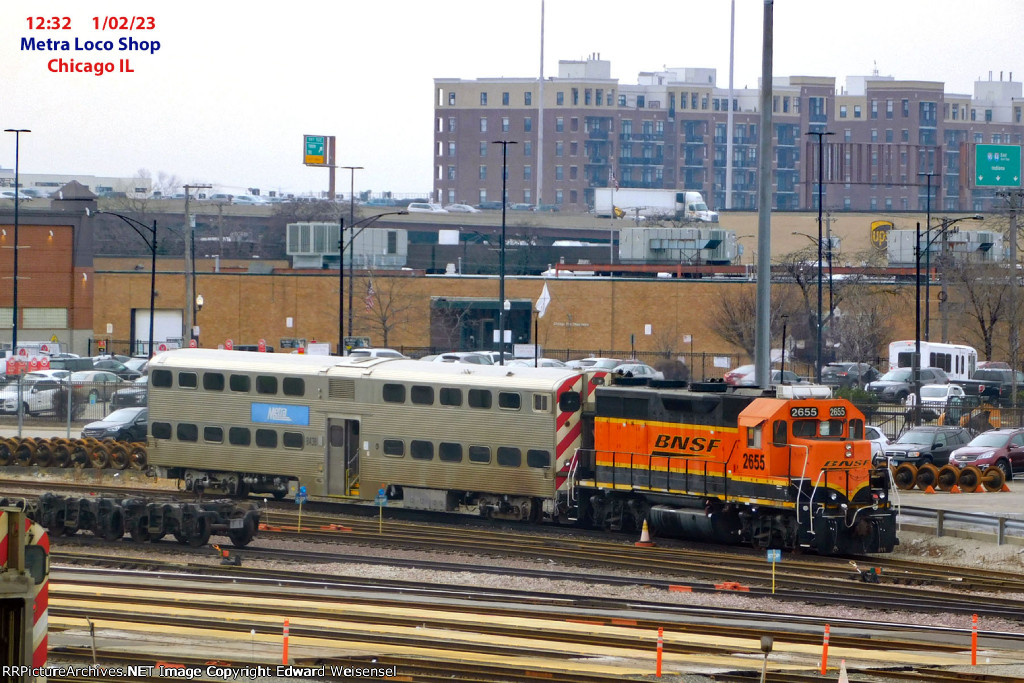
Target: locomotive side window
162, 430
239, 436
422, 395
188, 380
754, 437
540, 403
395, 447
509, 400
780, 433
394, 393
162, 378
213, 435
569, 401
421, 450
293, 386
509, 457
832, 428
479, 454
479, 398
857, 429
449, 452
451, 397
292, 440
538, 458
213, 381
187, 432
805, 429
240, 383
266, 384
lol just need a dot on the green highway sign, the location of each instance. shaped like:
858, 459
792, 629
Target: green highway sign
997, 166
316, 150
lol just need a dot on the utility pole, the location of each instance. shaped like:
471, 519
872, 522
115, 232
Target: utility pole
188, 319
1013, 198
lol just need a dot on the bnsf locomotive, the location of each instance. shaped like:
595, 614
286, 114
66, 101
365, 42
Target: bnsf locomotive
523, 443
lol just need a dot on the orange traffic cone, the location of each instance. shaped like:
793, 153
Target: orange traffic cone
929, 489
955, 489
645, 538
843, 676
1005, 489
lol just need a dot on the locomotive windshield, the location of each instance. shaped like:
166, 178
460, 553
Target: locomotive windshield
813, 429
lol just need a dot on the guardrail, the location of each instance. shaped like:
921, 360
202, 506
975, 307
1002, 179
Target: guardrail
1007, 530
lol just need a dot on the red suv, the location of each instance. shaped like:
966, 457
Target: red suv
1003, 448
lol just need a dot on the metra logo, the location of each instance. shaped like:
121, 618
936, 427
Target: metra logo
278, 415
693, 444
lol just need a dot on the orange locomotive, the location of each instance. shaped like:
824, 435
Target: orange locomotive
776, 471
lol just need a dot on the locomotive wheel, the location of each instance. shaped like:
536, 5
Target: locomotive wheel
43, 456
969, 479
905, 476
195, 531
993, 478
100, 456
118, 456
948, 474
927, 475
139, 529
25, 451
138, 458
80, 455
7, 447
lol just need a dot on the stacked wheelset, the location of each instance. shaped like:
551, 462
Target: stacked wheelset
79, 453
948, 478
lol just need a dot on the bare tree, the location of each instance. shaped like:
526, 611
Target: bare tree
861, 333
389, 304
985, 290
735, 322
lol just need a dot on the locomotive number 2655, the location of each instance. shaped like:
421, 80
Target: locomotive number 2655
803, 411
753, 461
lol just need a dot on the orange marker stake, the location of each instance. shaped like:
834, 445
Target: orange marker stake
974, 640
284, 649
657, 671
824, 652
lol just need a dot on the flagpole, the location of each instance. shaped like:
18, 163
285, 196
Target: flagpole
536, 341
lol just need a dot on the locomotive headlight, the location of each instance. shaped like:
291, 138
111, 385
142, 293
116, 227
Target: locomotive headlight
834, 495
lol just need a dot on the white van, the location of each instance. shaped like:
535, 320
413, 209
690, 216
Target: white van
958, 360
424, 207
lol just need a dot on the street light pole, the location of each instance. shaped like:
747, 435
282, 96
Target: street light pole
821, 187
501, 268
151, 243
362, 225
928, 253
17, 201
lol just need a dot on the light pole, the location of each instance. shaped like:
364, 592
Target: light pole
821, 187
17, 201
362, 225
151, 243
352, 192
928, 253
501, 268
828, 256
195, 317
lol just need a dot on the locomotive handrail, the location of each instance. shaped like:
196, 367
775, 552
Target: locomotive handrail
803, 477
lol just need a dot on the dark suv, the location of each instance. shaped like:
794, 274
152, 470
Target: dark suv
926, 444
894, 385
848, 375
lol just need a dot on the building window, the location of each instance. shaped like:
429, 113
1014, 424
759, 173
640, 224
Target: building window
482, 196
527, 196
905, 104
622, 100
559, 172
451, 99
586, 96
527, 98
558, 197
888, 109
574, 124
856, 111
573, 172
483, 149
528, 149
37, 318
874, 135
599, 97
527, 172
574, 149
504, 124
504, 99
842, 111
451, 196
451, 149
483, 99
483, 124
527, 124
559, 124
483, 172
451, 173
451, 124
559, 149
559, 98
575, 96
888, 135
573, 196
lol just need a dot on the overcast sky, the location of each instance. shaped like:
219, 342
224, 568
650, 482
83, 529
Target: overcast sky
235, 86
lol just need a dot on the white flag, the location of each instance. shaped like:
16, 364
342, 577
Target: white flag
543, 301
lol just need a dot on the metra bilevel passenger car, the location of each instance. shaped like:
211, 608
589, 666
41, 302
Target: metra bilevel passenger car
523, 443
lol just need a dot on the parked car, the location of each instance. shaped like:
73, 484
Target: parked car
894, 385
541, 362
635, 369
520, 206
879, 442
496, 356
472, 357
97, 385
927, 444
126, 424
424, 207
777, 377
116, 367
375, 353
70, 364
134, 395
550, 208
248, 199
847, 375
608, 364
461, 208
1002, 448
39, 391
935, 398
733, 376
489, 206
380, 201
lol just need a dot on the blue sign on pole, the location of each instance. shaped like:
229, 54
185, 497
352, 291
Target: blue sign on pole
301, 496
382, 497
774, 555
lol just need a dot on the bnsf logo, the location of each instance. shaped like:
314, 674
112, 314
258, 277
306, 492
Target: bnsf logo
694, 444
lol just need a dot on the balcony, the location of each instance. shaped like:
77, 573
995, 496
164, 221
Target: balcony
597, 135
642, 137
641, 161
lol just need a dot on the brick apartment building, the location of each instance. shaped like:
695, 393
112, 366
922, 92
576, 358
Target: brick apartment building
669, 131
